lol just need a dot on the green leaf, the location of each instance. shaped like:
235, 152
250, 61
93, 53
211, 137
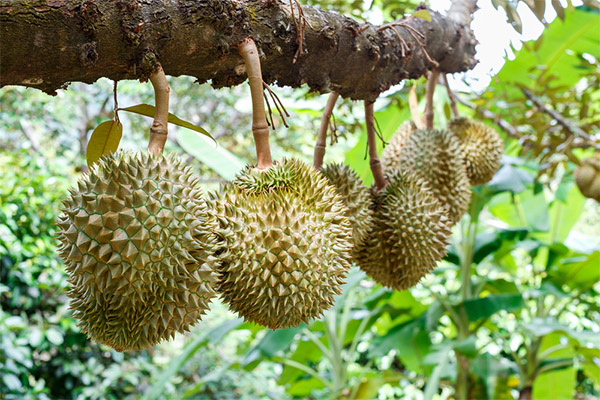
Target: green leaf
423, 14
483, 308
198, 342
564, 216
148, 111
105, 139
273, 342
555, 384
223, 162
304, 387
467, 346
579, 272
433, 383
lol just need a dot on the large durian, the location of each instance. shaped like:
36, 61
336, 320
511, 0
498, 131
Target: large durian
286, 244
391, 153
139, 248
587, 177
481, 148
409, 234
435, 156
355, 196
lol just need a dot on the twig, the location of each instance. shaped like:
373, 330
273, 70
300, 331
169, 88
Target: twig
374, 162
159, 129
321, 144
432, 81
260, 129
575, 130
505, 126
278, 103
451, 96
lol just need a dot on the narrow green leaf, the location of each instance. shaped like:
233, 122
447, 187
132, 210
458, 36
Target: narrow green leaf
483, 308
423, 14
104, 140
148, 111
223, 162
433, 383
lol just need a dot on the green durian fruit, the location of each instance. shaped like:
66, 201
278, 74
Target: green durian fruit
391, 153
409, 233
481, 149
285, 241
355, 196
435, 157
587, 178
139, 249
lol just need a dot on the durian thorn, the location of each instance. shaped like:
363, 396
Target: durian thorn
260, 129
451, 97
321, 144
432, 81
374, 162
158, 131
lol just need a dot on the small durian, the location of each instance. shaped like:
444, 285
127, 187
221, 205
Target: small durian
285, 244
481, 148
355, 196
391, 152
587, 178
435, 157
139, 249
409, 234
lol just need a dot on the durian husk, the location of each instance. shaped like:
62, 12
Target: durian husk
355, 196
409, 234
587, 178
434, 155
481, 148
138, 246
391, 153
285, 244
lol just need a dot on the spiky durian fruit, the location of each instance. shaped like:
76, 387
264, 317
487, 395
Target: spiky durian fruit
355, 196
391, 152
435, 156
481, 148
409, 234
285, 244
587, 177
139, 248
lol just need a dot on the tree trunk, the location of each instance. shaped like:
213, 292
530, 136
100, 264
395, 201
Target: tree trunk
46, 44
525, 393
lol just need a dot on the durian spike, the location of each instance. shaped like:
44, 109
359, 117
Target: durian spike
260, 129
432, 81
451, 97
321, 144
158, 131
374, 162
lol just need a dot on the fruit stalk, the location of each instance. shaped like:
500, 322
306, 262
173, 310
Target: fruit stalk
374, 162
260, 129
451, 97
159, 130
431, 83
321, 144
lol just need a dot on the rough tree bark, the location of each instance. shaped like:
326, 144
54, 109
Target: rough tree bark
46, 44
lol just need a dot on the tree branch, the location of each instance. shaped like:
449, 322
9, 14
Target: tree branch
575, 130
83, 40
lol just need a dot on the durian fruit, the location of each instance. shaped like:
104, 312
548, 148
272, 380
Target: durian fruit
481, 148
285, 241
139, 248
391, 152
435, 156
355, 196
409, 234
587, 178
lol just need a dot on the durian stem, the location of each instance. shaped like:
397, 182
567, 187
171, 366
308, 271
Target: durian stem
159, 130
451, 97
374, 162
260, 129
431, 84
321, 144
